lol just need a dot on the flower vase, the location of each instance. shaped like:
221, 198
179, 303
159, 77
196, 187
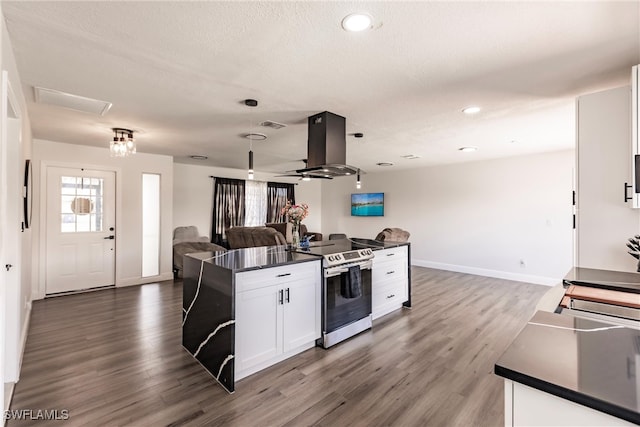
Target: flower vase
295, 235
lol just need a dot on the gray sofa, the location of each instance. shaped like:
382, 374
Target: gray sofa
249, 237
187, 240
393, 235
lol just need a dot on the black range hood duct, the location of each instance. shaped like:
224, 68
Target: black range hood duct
326, 148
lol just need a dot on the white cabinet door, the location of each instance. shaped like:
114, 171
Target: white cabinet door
389, 280
277, 314
301, 313
258, 327
604, 220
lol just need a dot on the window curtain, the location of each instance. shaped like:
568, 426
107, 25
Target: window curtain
228, 207
255, 203
277, 195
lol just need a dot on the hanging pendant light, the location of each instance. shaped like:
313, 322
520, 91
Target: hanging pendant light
358, 183
123, 143
251, 103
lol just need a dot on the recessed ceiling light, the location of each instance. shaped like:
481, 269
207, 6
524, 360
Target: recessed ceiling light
384, 164
357, 22
468, 149
471, 110
256, 136
199, 157
410, 157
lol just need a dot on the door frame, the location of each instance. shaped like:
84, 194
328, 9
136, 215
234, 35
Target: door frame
41, 290
12, 333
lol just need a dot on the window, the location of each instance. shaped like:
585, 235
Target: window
81, 204
150, 224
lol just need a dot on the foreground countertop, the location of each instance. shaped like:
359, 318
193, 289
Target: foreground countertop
253, 258
605, 279
588, 362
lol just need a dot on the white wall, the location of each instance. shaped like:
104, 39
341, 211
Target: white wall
478, 217
193, 195
128, 205
18, 288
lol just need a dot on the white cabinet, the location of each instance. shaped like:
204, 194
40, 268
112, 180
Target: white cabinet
604, 220
277, 315
389, 280
526, 406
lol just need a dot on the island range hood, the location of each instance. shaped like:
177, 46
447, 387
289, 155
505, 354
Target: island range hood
326, 148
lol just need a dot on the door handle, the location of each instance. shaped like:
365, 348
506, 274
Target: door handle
110, 237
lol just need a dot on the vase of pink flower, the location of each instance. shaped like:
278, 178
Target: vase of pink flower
295, 214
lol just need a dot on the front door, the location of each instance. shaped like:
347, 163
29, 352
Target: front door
80, 229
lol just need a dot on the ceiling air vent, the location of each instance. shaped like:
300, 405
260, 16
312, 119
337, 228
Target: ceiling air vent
273, 125
70, 101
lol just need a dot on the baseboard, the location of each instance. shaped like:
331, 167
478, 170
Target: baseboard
133, 281
538, 280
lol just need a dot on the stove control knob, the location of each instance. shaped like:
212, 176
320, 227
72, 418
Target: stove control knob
330, 257
338, 257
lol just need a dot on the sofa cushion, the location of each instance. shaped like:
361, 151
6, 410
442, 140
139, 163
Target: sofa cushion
393, 235
249, 237
188, 234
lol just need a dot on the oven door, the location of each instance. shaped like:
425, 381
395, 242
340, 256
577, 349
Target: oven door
340, 310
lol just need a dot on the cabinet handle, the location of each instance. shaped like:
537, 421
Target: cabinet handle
390, 272
283, 275
391, 296
626, 187
280, 299
286, 292
391, 254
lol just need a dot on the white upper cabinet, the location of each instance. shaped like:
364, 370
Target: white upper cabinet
604, 219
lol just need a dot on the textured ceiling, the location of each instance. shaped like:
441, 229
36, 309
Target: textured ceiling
178, 72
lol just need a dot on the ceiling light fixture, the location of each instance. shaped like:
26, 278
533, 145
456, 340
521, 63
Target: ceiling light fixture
123, 143
468, 149
357, 22
384, 164
358, 182
254, 136
251, 136
471, 110
198, 157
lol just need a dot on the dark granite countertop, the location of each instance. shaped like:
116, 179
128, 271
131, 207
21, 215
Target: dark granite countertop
605, 279
592, 363
253, 258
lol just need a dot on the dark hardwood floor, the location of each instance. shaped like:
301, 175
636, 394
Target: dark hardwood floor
114, 357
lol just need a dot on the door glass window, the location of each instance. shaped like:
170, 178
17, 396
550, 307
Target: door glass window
81, 204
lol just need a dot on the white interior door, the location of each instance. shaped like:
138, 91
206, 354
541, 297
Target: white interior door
10, 241
80, 229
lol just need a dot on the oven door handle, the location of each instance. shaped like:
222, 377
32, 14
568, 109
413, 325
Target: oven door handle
338, 270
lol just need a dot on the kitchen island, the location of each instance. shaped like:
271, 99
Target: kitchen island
574, 367
248, 308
